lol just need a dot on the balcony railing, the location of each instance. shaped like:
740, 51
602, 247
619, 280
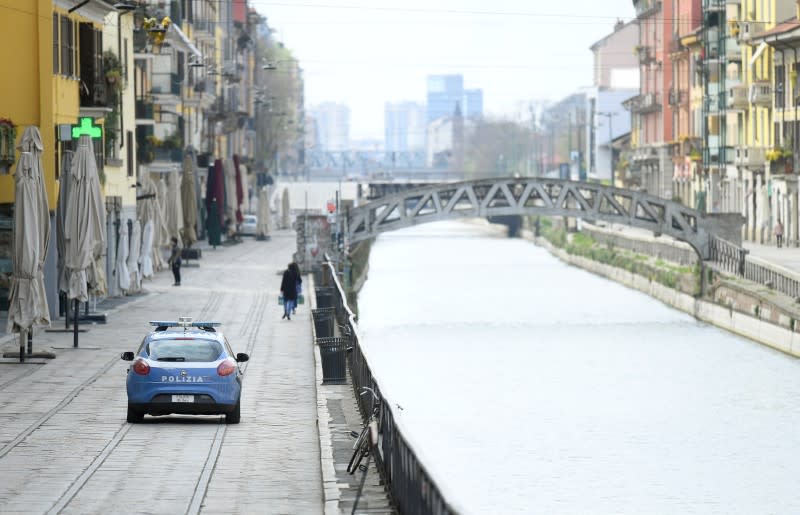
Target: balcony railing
645, 103
737, 97
761, 93
646, 54
751, 157
748, 29
174, 155
645, 8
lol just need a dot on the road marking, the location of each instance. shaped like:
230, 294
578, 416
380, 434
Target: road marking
79, 483
208, 469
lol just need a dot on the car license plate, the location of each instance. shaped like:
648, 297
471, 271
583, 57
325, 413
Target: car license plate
183, 398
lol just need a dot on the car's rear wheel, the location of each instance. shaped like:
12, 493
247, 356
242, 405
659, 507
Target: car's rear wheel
234, 416
134, 415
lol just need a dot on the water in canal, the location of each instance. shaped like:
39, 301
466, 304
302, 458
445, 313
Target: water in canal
529, 386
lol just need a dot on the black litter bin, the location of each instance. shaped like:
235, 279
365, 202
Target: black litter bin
325, 298
323, 321
333, 352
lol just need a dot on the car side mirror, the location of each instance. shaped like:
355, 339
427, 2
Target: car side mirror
127, 356
242, 357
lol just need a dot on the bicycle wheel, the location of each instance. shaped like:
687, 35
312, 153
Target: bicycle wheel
358, 455
361, 437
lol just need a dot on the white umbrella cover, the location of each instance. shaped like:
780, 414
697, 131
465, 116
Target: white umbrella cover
146, 257
174, 207
133, 257
85, 220
27, 298
61, 214
123, 275
264, 215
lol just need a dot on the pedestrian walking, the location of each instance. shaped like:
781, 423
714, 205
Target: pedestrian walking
779, 233
298, 285
289, 290
175, 261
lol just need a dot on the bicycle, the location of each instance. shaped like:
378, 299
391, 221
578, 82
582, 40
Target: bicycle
368, 436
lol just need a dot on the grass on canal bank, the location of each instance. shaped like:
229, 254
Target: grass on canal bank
685, 279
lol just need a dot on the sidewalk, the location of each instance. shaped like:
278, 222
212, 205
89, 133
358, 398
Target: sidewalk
786, 257
64, 441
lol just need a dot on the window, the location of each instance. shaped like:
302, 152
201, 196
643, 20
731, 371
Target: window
184, 350
56, 45
129, 142
66, 47
780, 80
794, 86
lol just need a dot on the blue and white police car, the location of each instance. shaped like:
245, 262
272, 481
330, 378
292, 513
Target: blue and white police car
184, 367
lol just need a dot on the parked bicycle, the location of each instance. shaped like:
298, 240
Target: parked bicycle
369, 434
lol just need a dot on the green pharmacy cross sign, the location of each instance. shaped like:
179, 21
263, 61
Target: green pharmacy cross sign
87, 127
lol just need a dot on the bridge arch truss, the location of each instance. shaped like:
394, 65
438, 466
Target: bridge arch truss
544, 197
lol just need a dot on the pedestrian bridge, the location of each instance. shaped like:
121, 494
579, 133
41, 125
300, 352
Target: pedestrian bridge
544, 197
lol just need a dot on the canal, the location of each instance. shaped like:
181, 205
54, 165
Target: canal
529, 386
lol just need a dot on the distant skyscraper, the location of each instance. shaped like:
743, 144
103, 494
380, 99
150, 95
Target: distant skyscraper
404, 126
472, 107
333, 126
445, 91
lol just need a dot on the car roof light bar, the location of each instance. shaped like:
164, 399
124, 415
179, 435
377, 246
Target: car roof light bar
183, 322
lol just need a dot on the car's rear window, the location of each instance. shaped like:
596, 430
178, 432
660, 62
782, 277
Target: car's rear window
184, 350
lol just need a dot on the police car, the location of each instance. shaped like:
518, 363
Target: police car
184, 367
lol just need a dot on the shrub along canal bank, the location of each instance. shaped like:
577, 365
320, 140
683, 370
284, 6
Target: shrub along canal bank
745, 308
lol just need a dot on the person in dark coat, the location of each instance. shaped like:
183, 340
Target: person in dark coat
299, 285
289, 291
175, 261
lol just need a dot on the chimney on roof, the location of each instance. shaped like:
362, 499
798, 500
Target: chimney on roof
620, 24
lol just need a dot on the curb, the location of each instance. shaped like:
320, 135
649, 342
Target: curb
330, 489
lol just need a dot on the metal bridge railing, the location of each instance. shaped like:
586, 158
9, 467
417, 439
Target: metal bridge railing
729, 257
412, 488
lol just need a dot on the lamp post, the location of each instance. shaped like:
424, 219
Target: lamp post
610, 115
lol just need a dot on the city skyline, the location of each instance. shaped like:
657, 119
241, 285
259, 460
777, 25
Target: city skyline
366, 55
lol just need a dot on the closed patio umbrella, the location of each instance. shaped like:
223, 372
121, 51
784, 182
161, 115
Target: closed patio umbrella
123, 275
174, 208
85, 225
189, 201
133, 257
264, 215
230, 197
27, 299
239, 176
61, 213
146, 256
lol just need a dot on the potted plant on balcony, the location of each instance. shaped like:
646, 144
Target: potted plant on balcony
695, 155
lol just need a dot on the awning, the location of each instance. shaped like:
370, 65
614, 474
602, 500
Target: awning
176, 36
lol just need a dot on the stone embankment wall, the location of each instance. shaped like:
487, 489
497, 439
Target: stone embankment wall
739, 308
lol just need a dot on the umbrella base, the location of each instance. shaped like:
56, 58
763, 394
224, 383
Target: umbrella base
65, 330
91, 318
263, 238
33, 355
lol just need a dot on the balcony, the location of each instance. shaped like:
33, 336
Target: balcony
645, 103
748, 29
677, 97
646, 55
645, 8
714, 5
761, 93
173, 155
737, 97
750, 157
733, 52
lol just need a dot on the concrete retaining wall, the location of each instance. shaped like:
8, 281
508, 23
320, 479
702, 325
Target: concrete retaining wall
748, 326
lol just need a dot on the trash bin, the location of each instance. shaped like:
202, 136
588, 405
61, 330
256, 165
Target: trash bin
323, 321
333, 352
325, 297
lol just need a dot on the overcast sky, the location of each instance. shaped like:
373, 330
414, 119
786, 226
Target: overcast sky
364, 53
